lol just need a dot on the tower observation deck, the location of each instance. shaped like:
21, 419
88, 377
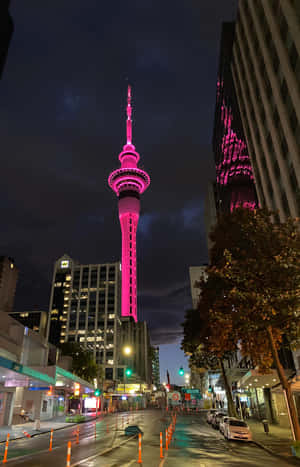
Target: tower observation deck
129, 182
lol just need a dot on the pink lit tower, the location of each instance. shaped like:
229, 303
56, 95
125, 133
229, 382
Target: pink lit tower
129, 182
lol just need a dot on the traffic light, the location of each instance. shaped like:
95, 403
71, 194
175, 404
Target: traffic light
97, 392
181, 371
128, 372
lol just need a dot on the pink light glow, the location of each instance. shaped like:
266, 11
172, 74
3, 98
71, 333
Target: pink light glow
128, 182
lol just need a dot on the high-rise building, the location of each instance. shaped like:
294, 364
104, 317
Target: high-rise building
136, 336
155, 366
235, 184
35, 320
197, 273
8, 282
6, 30
266, 72
129, 182
85, 308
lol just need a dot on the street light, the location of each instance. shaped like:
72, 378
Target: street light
127, 350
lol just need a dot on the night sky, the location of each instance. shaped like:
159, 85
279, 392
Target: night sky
62, 112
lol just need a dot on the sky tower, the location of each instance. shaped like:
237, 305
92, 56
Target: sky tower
129, 182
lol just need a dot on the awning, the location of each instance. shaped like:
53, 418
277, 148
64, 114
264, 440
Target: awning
65, 378
253, 379
13, 374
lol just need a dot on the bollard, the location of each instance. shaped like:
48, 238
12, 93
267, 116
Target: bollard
95, 432
26, 434
140, 449
166, 439
77, 435
6, 448
107, 429
69, 454
51, 438
161, 446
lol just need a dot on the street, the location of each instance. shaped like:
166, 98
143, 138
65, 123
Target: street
195, 443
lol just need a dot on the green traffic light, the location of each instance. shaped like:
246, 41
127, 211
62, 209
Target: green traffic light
97, 392
181, 371
128, 372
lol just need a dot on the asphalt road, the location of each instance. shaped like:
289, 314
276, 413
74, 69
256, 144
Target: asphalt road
194, 444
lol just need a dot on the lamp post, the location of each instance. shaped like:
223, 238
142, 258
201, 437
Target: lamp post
127, 352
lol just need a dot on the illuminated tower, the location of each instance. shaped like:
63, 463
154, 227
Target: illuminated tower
129, 182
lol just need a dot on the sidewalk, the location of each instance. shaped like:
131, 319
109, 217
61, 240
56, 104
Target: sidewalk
17, 431
278, 441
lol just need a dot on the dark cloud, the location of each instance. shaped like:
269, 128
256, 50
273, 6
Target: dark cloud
62, 126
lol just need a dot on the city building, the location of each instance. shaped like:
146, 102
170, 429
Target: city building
235, 186
155, 366
129, 182
6, 30
196, 274
30, 388
8, 282
85, 308
266, 72
35, 320
210, 212
136, 337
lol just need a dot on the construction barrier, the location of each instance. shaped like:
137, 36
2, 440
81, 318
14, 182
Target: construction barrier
161, 446
140, 449
167, 440
6, 448
69, 454
77, 435
51, 439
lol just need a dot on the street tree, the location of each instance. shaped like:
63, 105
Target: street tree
257, 262
83, 363
199, 336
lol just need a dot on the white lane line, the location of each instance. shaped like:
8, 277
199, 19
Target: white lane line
102, 452
129, 463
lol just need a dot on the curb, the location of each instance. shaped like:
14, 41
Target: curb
273, 453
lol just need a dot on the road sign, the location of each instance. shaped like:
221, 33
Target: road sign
187, 397
175, 396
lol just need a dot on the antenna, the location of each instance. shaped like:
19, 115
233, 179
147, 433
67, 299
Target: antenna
129, 113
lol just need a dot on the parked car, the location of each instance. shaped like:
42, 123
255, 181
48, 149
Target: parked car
216, 419
237, 429
223, 422
210, 414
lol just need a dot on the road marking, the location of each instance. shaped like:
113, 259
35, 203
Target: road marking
163, 460
101, 453
129, 463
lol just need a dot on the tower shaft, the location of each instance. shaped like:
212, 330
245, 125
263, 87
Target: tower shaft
129, 208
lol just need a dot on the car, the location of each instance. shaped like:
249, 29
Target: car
237, 429
223, 422
216, 419
210, 414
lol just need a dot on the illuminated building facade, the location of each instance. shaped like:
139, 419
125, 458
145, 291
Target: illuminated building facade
235, 184
129, 182
85, 308
266, 73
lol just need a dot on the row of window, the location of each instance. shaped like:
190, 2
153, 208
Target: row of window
294, 122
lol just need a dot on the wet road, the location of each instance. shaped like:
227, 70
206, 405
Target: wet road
194, 444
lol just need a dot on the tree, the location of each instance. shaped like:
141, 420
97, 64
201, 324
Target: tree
199, 335
258, 263
83, 363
